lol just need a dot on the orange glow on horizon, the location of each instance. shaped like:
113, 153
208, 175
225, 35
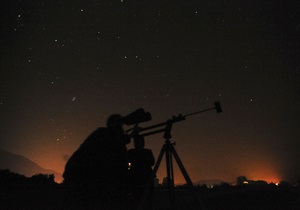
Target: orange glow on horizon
263, 173
254, 167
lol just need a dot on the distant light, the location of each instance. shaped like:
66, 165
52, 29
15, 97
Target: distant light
129, 165
245, 182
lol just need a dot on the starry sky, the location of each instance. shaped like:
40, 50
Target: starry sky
67, 65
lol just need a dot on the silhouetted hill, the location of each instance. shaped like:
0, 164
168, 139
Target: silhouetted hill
22, 165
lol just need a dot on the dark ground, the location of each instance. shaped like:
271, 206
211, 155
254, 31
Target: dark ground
265, 197
257, 197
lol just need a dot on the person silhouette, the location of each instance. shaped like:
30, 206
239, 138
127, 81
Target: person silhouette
97, 172
140, 162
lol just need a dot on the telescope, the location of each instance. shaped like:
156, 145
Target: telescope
174, 119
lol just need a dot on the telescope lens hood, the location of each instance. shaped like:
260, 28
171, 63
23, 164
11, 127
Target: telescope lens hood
138, 116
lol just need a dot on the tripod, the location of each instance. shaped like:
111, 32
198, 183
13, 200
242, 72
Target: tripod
169, 150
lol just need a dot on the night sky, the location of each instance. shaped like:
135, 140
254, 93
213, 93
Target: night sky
67, 65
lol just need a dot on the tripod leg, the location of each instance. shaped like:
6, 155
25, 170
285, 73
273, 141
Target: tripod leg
171, 171
183, 171
187, 177
168, 157
169, 178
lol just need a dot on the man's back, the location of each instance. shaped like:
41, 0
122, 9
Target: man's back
100, 157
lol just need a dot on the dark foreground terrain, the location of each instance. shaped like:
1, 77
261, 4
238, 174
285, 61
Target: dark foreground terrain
41, 192
267, 197
246, 197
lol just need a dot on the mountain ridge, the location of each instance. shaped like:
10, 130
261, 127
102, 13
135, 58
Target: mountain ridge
24, 166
